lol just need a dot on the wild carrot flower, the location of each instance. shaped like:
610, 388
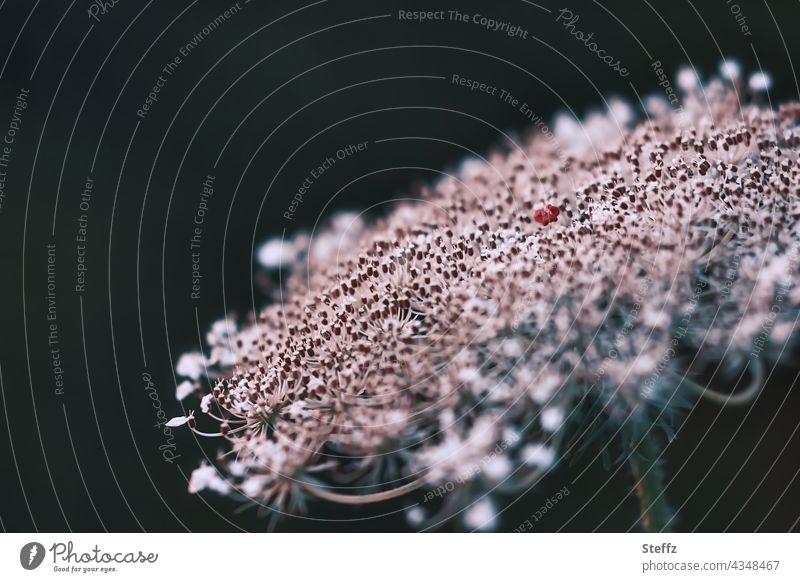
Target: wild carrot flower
518, 299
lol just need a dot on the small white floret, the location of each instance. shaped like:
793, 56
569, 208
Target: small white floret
730, 70
552, 418
205, 403
481, 516
415, 516
498, 468
537, 455
687, 79
760, 82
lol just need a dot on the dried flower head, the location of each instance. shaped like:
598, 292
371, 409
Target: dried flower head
448, 342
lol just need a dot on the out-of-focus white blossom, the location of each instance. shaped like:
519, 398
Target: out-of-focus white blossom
760, 82
538, 455
184, 389
276, 253
206, 477
191, 365
481, 516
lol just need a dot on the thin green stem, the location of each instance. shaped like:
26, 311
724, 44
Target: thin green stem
649, 477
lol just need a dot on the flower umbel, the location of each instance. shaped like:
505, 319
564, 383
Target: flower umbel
523, 298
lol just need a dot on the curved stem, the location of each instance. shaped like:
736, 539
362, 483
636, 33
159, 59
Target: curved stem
736, 398
712, 252
219, 434
359, 499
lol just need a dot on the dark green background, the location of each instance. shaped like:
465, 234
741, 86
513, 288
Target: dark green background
107, 472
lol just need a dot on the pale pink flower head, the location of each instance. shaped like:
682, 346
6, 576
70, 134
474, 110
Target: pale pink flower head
404, 350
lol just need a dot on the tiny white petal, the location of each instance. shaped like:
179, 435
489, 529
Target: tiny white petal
205, 403
184, 389
177, 421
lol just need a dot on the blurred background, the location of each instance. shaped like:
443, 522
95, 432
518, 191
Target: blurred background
129, 108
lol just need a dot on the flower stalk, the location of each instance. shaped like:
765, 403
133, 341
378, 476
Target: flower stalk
649, 484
